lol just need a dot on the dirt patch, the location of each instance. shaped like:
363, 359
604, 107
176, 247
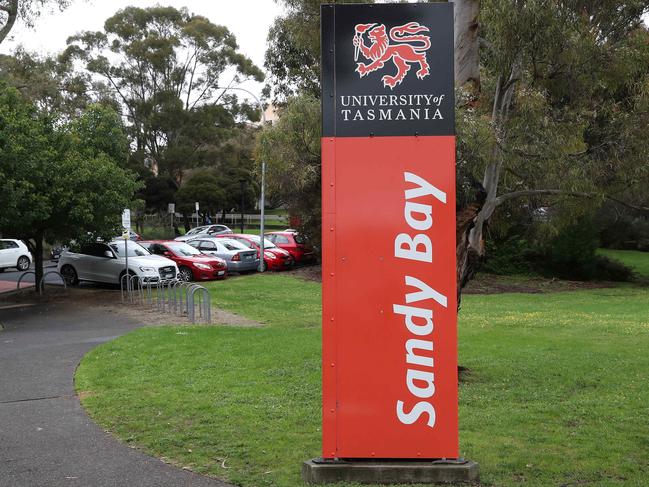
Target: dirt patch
491, 283
109, 300
308, 273
84, 394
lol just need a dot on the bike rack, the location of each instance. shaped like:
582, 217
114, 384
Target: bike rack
168, 295
204, 306
41, 284
23, 275
135, 283
124, 283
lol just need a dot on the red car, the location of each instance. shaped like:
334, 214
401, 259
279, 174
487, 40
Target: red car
192, 264
294, 244
275, 259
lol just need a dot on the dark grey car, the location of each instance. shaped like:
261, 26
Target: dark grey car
238, 257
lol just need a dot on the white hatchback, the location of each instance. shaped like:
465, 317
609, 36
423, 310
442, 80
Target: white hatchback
105, 262
14, 253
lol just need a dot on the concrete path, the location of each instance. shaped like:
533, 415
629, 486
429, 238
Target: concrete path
46, 439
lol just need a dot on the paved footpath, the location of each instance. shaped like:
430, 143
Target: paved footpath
46, 439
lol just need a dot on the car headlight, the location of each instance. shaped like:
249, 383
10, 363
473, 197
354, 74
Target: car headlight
270, 255
147, 269
205, 267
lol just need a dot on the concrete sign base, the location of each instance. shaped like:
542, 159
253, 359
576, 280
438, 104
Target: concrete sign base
324, 471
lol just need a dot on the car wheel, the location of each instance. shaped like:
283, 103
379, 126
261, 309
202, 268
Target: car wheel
70, 275
23, 263
185, 274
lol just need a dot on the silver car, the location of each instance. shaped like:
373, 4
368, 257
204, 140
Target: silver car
204, 231
237, 256
101, 262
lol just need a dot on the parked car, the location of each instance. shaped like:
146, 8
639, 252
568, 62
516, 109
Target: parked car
295, 244
204, 231
14, 253
106, 262
192, 264
135, 237
274, 258
56, 251
237, 256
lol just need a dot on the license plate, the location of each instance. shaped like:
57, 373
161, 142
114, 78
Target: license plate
221, 273
248, 257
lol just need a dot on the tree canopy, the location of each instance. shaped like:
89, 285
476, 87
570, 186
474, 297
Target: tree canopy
166, 66
551, 107
56, 183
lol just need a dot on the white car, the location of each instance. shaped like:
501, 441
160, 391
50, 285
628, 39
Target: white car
14, 253
105, 262
204, 231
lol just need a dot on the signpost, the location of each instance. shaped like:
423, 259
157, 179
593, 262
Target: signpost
197, 208
388, 233
126, 225
171, 208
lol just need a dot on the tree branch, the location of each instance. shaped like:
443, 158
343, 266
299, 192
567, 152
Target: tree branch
536, 192
12, 14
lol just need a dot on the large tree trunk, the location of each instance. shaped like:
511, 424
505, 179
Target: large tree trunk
38, 258
467, 52
469, 251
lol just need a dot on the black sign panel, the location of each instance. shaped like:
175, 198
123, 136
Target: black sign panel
387, 69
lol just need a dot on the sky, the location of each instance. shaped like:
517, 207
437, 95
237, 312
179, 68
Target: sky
249, 20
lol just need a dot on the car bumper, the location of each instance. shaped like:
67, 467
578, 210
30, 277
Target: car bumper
205, 275
243, 266
278, 264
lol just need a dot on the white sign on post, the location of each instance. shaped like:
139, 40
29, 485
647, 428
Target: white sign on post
197, 207
171, 208
126, 219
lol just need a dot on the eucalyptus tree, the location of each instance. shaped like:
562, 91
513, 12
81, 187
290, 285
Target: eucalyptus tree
167, 67
551, 104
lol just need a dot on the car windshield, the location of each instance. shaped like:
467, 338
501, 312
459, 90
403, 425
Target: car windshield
134, 250
183, 249
233, 244
267, 243
196, 230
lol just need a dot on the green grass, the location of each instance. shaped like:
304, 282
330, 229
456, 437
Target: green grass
636, 260
557, 393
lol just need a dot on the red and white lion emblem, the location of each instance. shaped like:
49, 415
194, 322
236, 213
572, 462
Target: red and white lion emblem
410, 47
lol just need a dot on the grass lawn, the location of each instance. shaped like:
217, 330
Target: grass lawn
636, 260
557, 393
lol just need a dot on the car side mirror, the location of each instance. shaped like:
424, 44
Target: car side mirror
108, 253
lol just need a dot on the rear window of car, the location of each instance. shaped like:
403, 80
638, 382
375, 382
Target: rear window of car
245, 242
281, 239
196, 230
8, 244
232, 244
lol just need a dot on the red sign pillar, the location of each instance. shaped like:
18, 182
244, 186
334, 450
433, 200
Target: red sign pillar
388, 231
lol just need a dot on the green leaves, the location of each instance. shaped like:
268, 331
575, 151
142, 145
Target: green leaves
62, 180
